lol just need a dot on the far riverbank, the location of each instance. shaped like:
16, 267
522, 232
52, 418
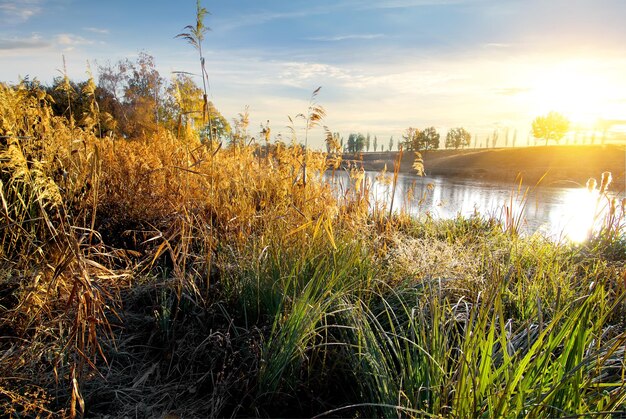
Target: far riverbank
553, 165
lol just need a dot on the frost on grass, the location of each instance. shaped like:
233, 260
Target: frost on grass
425, 259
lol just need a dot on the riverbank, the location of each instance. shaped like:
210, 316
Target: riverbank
164, 277
553, 165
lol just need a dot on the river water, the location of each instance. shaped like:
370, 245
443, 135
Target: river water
557, 212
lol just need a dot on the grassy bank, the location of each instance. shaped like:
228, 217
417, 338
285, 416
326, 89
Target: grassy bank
164, 276
558, 165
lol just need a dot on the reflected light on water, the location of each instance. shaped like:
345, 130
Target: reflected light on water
556, 212
574, 217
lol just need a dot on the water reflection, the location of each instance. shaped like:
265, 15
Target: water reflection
554, 211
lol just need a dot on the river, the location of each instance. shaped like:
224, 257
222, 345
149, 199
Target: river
556, 212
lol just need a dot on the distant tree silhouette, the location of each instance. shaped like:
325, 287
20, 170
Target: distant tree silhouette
494, 139
458, 138
429, 139
552, 126
356, 142
411, 139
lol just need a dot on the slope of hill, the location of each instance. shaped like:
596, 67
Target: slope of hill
557, 165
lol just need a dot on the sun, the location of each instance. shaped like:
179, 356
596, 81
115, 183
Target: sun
579, 93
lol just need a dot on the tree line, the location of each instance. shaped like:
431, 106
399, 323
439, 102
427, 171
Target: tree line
412, 139
131, 99
550, 127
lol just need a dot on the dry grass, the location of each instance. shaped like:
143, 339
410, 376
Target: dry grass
81, 213
162, 276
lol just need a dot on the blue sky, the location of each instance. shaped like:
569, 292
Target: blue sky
383, 65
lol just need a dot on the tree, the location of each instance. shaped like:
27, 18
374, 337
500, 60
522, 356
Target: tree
78, 102
144, 94
458, 138
375, 143
184, 106
360, 143
217, 123
391, 143
133, 93
356, 142
552, 126
367, 142
183, 110
110, 92
494, 139
411, 139
428, 139
351, 143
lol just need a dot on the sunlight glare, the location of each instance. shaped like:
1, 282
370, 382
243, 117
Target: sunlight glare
576, 218
577, 93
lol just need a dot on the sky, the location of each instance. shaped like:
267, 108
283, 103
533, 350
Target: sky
383, 66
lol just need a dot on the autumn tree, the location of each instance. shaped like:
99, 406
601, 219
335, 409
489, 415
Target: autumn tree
411, 139
552, 126
141, 101
184, 107
110, 91
427, 139
78, 102
144, 95
66, 98
458, 138
133, 93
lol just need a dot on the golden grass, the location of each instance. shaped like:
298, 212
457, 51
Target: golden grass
191, 235
81, 213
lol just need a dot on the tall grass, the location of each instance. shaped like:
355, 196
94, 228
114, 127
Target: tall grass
159, 276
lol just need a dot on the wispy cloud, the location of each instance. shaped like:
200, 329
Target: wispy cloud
337, 38
301, 74
65, 41
30, 43
404, 4
496, 45
512, 91
68, 42
68, 39
265, 17
97, 30
16, 12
